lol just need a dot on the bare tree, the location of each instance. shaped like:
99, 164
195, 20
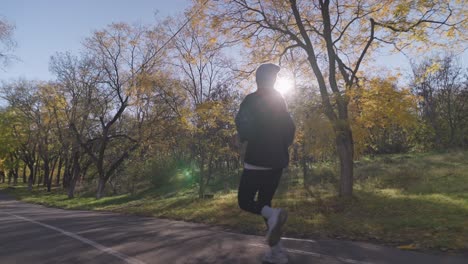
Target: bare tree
76, 91
205, 72
441, 83
7, 44
123, 55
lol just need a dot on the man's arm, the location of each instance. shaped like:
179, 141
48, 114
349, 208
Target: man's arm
287, 123
244, 121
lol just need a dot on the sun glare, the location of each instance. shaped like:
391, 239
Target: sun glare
284, 85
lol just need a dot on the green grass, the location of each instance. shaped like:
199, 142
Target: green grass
417, 201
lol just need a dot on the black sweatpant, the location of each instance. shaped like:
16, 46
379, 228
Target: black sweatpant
262, 183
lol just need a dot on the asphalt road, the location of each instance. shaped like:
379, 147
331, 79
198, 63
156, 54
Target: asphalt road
36, 234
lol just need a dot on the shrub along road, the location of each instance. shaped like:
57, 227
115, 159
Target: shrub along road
36, 234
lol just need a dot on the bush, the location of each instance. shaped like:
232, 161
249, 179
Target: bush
169, 173
161, 171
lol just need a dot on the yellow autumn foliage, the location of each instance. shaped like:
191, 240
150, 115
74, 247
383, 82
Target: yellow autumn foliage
382, 115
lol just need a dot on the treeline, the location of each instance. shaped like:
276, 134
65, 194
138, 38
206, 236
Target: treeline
442, 85
429, 113
91, 129
144, 106
135, 95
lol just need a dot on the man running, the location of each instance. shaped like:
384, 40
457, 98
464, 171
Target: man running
264, 123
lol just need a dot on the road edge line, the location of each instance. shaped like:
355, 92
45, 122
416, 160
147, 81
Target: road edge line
127, 259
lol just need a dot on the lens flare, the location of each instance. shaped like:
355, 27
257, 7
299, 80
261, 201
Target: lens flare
284, 85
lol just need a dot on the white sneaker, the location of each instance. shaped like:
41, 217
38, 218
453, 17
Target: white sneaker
275, 223
276, 255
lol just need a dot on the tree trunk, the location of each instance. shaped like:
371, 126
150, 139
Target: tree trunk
15, 178
226, 176
36, 173
10, 171
24, 173
16, 174
59, 170
305, 172
52, 171
49, 185
66, 172
84, 171
49, 178
100, 188
46, 173
210, 170
45, 176
345, 149
31, 177
201, 189
74, 175
40, 178
71, 189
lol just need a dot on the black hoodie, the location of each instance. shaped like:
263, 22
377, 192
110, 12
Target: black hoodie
264, 122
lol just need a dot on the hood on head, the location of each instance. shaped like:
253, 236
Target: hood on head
266, 75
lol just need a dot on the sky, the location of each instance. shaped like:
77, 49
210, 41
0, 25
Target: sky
44, 27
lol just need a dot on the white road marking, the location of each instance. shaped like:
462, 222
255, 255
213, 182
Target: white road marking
352, 261
318, 255
298, 239
98, 246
